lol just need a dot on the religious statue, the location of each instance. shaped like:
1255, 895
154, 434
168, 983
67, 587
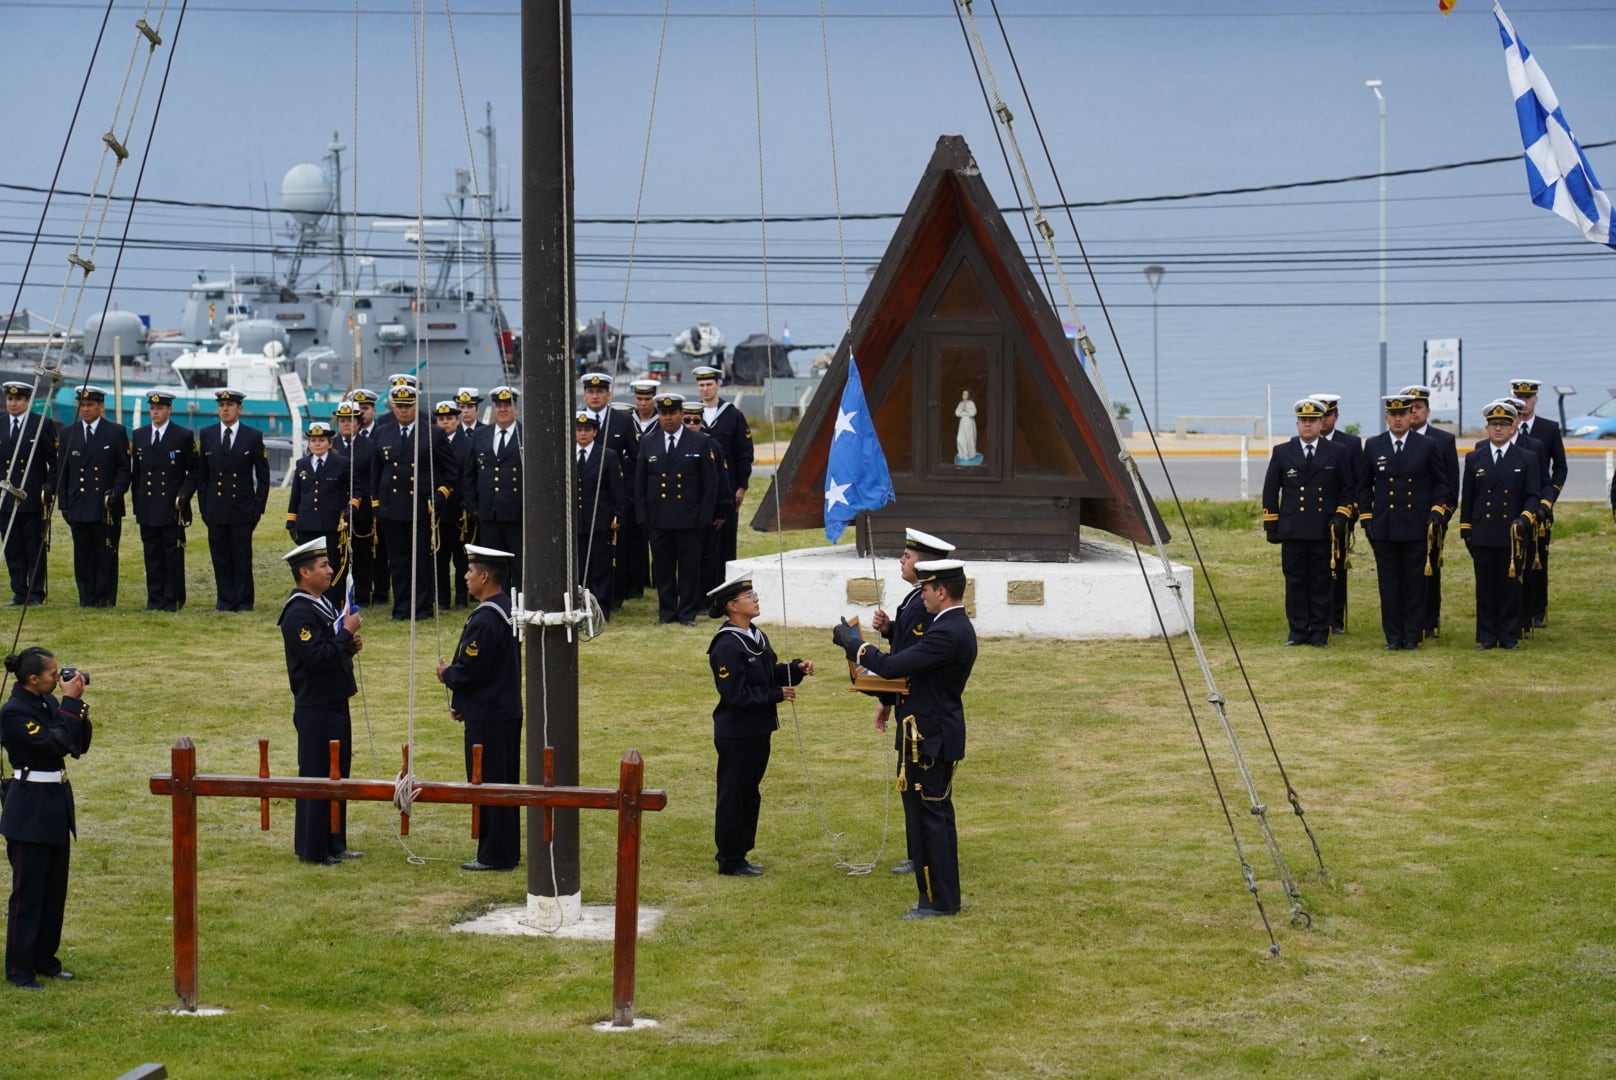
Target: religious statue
965, 438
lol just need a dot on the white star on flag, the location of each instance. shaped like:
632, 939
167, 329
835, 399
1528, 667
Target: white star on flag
844, 422
835, 493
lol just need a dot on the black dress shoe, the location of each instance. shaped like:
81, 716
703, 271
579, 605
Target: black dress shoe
478, 865
350, 854
924, 913
1511, 645
905, 867
1289, 642
687, 622
1319, 644
329, 860
65, 976
1411, 644
1394, 648
744, 870
1483, 646
31, 984
1540, 622
1338, 629
14, 602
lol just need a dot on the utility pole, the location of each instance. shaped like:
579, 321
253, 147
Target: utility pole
551, 652
1374, 84
1153, 274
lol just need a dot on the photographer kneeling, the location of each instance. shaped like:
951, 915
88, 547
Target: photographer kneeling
39, 734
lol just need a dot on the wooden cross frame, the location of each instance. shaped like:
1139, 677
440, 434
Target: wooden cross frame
630, 798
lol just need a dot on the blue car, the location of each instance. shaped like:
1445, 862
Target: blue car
1599, 424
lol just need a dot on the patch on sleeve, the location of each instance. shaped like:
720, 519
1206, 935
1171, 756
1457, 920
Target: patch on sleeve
305, 634
31, 727
471, 648
723, 673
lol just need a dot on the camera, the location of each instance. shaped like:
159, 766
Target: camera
69, 673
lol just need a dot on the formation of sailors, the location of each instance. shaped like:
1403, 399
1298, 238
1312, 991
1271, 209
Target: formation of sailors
1402, 488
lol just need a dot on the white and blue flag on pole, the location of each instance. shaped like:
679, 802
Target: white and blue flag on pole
856, 476
1557, 171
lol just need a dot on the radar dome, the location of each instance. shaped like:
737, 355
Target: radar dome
255, 336
306, 193
120, 330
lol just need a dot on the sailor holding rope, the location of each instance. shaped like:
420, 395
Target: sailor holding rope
937, 667
751, 683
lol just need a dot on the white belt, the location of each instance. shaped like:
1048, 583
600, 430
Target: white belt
35, 776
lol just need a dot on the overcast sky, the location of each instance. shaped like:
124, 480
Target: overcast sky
1158, 97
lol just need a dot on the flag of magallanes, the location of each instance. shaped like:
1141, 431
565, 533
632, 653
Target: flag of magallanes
856, 476
1557, 171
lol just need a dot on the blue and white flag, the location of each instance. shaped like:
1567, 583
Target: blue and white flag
856, 476
1557, 171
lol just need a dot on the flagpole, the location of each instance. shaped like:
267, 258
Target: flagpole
1374, 84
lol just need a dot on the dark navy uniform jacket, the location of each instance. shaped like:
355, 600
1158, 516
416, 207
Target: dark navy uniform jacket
734, 434
1495, 494
34, 478
92, 476
749, 681
40, 733
1300, 496
494, 480
1448, 450
600, 499
164, 476
319, 650
358, 450
399, 458
937, 667
1548, 433
677, 490
234, 486
1399, 491
317, 501
617, 432
485, 675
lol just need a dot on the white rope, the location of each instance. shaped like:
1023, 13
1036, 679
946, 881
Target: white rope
1214, 697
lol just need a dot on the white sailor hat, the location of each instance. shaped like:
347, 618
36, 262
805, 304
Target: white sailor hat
1525, 387
1499, 410
596, 380
940, 570
644, 387
478, 554
91, 393
305, 552
17, 388
925, 542
402, 378
704, 371
446, 407
503, 395
726, 592
1310, 408
1417, 391
468, 395
1331, 401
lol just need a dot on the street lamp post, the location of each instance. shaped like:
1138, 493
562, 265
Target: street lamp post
1153, 274
1374, 84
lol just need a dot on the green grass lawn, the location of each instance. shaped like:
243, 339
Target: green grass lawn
1462, 801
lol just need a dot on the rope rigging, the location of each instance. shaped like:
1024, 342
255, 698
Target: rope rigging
1258, 810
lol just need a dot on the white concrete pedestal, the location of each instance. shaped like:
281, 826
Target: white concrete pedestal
561, 917
1101, 595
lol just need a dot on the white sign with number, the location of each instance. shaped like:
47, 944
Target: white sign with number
292, 387
1442, 373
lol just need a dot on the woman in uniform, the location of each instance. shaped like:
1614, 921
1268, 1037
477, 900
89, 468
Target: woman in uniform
39, 734
751, 683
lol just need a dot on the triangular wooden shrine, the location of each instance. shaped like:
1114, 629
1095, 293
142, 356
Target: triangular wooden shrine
955, 332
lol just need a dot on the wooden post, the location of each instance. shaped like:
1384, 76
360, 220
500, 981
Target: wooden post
183, 762
626, 933
336, 774
404, 818
263, 774
476, 778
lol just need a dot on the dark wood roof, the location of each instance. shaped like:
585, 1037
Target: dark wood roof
952, 222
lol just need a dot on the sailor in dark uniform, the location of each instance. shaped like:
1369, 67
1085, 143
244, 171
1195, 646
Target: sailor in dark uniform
485, 683
598, 497
165, 474
676, 483
233, 487
28, 456
617, 434
1448, 448
91, 479
454, 523
470, 403
713, 566
1307, 496
904, 628
412, 477
1502, 493
937, 667
1403, 492
494, 481
39, 735
726, 424
320, 642
1548, 433
317, 506
751, 682
1343, 540
633, 544
358, 552
380, 581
